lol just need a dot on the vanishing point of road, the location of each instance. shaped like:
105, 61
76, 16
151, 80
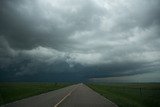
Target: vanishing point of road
72, 96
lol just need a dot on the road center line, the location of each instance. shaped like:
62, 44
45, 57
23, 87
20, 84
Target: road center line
64, 97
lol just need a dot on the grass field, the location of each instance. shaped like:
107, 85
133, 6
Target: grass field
130, 95
10, 92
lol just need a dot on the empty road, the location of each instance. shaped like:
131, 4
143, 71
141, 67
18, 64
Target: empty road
73, 96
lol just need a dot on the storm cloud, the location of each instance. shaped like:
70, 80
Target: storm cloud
77, 40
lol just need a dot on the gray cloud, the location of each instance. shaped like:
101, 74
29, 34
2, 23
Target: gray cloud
89, 39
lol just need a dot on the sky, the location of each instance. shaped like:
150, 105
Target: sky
80, 40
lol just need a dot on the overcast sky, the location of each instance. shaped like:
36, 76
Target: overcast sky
77, 40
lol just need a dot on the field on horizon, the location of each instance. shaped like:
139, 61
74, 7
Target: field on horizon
124, 95
10, 92
130, 95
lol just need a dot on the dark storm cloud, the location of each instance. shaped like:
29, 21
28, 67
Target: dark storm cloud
85, 38
37, 23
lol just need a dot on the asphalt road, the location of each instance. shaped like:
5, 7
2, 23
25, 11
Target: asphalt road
73, 96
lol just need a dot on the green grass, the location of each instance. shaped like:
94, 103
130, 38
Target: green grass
130, 95
10, 92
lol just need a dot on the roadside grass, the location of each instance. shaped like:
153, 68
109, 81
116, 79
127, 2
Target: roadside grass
10, 92
130, 95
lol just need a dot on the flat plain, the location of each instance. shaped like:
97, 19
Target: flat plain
78, 95
130, 95
123, 95
10, 92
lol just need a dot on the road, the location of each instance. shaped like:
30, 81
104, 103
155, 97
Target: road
73, 96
